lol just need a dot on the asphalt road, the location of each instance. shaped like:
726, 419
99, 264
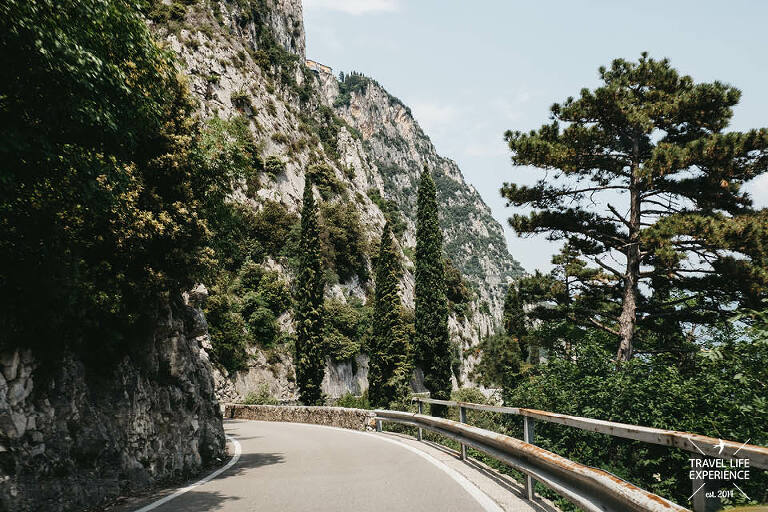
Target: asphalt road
289, 467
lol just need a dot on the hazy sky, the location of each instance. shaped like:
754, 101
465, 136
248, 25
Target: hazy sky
472, 69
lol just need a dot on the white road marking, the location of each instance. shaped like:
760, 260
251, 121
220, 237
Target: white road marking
232, 462
482, 499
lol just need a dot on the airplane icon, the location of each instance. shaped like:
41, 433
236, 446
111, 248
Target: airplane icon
720, 445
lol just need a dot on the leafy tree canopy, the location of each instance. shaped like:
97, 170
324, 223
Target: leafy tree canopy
100, 199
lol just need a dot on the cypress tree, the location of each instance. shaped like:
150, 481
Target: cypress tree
432, 342
389, 368
310, 361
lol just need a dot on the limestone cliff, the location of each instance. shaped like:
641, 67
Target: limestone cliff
247, 59
71, 438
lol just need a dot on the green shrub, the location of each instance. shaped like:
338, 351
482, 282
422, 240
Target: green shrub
242, 311
346, 327
262, 326
261, 397
324, 177
275, 293
228, 332
241, 99
274, 165
353, 402
720, 392
344, 242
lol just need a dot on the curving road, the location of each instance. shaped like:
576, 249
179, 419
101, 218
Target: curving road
290, 467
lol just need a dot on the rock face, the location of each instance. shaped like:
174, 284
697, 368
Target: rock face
400, 150
70, 439
246, 59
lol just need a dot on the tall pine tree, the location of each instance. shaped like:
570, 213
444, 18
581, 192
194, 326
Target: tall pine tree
310, 360
433, 348
389, 367
645, 183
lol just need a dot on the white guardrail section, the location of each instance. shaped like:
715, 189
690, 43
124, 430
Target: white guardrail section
589, 488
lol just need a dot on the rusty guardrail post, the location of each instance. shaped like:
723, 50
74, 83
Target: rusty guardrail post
420, 405
463, 419
529, 436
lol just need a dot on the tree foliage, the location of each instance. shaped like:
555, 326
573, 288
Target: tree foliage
100, 201
641, 169
433, 348
389, 368
346, 329
309, 358
719, 392
242, 311
515, 320
500, 362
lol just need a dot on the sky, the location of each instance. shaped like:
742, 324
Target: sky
470, 70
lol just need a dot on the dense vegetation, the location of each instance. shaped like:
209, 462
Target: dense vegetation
694, 250
101, 198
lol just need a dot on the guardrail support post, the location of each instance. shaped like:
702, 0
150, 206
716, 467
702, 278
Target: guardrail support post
463, 419
419, 402
529, 437
378, 425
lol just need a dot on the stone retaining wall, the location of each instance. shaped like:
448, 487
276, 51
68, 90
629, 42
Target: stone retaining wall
354, 419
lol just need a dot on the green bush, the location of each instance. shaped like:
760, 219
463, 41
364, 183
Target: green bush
346, 328
228, 331
324, 177
344, 242
242, 310
275, 292
274, 165
353, 402
263, 326
241, 99
261, 397
721, 392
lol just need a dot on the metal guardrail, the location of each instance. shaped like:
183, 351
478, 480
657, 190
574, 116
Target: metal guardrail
594, 490
701, 446
694, 443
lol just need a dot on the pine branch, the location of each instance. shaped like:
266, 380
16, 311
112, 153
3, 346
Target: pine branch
619, 216
608, 268
601, 326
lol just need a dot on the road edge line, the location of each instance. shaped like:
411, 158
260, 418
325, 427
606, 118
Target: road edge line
232, 462
486, 502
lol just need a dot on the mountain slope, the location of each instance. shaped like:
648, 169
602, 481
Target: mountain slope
245, 60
